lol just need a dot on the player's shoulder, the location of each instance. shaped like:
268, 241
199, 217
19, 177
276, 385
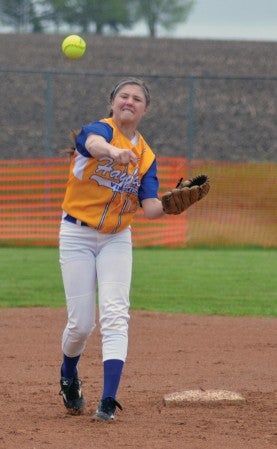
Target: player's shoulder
100, 128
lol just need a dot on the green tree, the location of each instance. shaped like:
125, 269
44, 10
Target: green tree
19, 15
37, 15
87, 13
165, 13
102, 15
26, 15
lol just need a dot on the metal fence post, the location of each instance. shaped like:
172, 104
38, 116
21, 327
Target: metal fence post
49, 114
190, 121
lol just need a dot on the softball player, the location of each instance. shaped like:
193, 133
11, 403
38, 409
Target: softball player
112, 172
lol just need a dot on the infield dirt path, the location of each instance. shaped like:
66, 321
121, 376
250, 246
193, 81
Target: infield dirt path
167, 353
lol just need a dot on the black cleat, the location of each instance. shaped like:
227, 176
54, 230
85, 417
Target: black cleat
72, 395
106, 410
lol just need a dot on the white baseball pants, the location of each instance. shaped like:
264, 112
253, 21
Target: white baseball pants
94, 263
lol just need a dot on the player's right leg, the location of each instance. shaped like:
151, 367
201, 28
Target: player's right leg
79, 279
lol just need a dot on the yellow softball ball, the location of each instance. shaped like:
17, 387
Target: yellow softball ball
73, 46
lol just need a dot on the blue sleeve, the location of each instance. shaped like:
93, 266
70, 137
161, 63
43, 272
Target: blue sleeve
99, 128
149, 184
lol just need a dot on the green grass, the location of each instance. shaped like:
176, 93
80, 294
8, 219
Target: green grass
195, 281
207, 281
30, 277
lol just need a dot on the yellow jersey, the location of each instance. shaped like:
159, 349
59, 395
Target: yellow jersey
101, 192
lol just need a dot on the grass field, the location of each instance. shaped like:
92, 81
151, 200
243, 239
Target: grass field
195, 281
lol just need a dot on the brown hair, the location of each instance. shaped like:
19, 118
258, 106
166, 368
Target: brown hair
124, 82
70, 151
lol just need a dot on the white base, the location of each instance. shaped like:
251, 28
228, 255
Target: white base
202, 396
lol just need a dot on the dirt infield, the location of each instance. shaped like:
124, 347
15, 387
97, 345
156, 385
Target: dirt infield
167, 353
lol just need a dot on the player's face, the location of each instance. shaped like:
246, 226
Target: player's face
129, 104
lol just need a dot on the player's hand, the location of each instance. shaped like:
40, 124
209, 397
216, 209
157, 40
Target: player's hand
98, 147
124, 156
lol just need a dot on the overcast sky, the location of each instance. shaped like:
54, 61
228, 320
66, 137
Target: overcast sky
228, 19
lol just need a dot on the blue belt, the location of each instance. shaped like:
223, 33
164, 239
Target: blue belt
75, 220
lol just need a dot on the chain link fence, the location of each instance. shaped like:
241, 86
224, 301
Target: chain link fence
197, 117
225, 126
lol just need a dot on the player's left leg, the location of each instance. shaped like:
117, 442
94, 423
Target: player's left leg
114, 270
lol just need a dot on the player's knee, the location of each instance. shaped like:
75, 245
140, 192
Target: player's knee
81, 332
114, 317
85, 332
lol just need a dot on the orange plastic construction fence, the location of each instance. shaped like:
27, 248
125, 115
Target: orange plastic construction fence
240, 209
31, 194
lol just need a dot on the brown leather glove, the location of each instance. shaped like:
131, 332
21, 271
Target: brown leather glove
185, 194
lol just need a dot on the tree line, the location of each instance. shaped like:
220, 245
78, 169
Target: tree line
92, 16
